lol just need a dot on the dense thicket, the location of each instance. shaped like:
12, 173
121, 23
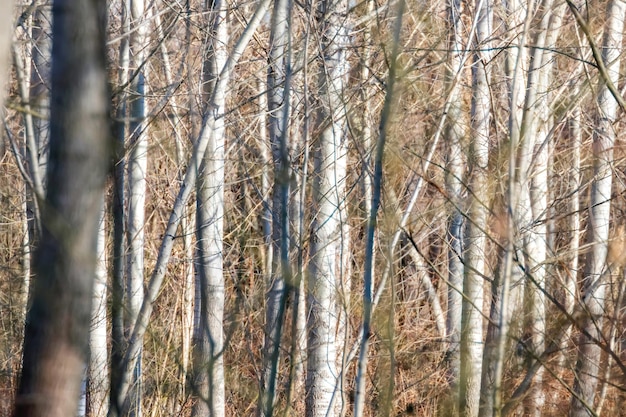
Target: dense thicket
237, 210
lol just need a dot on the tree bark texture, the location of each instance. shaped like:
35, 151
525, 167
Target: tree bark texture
330, 235
209, 333
57, 330
476, 239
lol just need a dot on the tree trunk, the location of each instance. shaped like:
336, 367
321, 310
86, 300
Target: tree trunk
209, 332
118, 208
281, 278
329, 237
57, 332
456, 133
476, 239
98, 371
137, 173
594, 285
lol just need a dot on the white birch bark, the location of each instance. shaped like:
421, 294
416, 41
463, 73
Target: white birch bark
536, 130
471, 356
300, 138
507, 288
518, 16
98, 370
209, 333
266, 182
137, 173
456, 133
594, 287
22, 74
329, 235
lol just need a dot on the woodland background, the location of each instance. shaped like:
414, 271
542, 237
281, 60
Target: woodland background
206, 206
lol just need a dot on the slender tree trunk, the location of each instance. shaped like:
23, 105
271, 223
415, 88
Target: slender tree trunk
118, 340
594, 287
519, 14
57, 331
507, 288
570, 284
536, 130
209, 333
475, 268
98, 371
137, 173
281, 278
329, 237
456, 133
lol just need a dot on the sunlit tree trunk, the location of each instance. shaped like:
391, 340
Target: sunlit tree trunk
209, 332
137, 174
98, 370
594, 284
475, 263
57, 331
536, 128
570, 284
329, 237
507, 287
518, 14
456, 133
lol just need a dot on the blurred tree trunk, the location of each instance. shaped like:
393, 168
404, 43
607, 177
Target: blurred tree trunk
6, 30
594, 281
330, 237
210, 293
57, 331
